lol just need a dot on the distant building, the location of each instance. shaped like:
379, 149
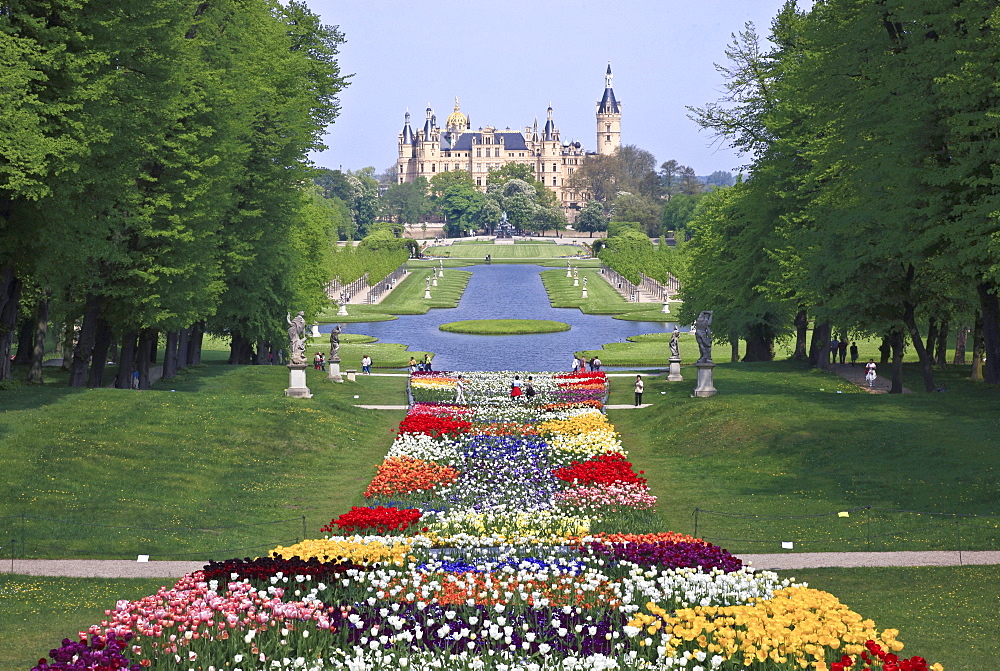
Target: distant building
432, 149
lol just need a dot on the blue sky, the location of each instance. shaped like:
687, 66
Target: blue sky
508, 60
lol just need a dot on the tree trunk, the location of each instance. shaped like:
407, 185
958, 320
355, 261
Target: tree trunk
10, 296
942, 344
897, 339
183, 347
155, 337
978, 348
801, 331
819, 349
760, 344
41, 330
734, 348
235, 343
69, 335
85, 342
126, 360
147, 341
960, 339
194, 350
25, 342
885, 350
990, 310
926, 364
170, 355
932, 333
102, 343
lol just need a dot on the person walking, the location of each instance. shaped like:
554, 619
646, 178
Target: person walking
316, 360
366, 365
460, 391
639, 387
413, 365
870, 373
842, 350
427, 363
529, 388
595, 364
854, 353
515, 387
322, 361
834, 344
576, 364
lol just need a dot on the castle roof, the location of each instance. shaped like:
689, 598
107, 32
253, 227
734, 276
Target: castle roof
511, 141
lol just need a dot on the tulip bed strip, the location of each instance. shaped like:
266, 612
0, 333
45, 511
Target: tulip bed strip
504, 532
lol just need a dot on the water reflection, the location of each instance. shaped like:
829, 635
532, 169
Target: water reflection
504, 292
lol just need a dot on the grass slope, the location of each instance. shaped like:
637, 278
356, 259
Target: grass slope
508, 253
782, 449
205, 471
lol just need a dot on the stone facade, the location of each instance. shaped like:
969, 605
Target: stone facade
431, 149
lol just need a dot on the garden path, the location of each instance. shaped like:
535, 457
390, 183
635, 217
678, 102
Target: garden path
122, 568
856, 375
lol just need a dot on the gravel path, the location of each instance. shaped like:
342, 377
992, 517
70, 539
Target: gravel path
121, 568
856, 375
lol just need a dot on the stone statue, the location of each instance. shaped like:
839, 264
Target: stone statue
427, 282
297, 339
675, 349
584, 282
335, 343
703, 334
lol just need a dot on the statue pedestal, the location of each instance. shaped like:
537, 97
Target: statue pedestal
434, 282
427, 293
342, 312
440, 274
315, 331
297, 381
576, 281
569, 273
706, 386
584, 293
674, 374
333, 367
666, 307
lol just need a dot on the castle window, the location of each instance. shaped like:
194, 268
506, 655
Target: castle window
553, 167
487, 152
479, 152
609, 139
553, 181
607, 128
479, 167
433, 168
446, 167
479, 181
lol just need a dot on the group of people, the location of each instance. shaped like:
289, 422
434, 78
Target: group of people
519, 388
319, 361
424, 366
580, 364
838, 348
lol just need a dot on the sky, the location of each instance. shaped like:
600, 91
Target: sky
508, 60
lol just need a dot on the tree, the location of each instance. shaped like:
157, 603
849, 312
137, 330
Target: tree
334, 184
719, 179
591, 219
406, 203
633, 207
678, 213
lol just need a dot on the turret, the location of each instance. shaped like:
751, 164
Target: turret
609, 118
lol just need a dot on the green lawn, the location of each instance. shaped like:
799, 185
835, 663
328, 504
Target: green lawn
527, 251
601, 299
779, 452
216, 462
505, 326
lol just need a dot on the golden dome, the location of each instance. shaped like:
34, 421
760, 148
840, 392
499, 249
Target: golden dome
456, 118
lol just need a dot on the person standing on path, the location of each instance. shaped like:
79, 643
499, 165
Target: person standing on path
870, 373
639, 386
854, 353
834, 344
842, 349
366, 365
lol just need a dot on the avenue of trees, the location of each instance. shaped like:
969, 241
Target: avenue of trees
872, 205
153, 177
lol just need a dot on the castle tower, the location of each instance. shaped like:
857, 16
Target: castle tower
609, 119
407, 151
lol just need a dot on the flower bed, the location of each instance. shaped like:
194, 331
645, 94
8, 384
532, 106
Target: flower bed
496, 536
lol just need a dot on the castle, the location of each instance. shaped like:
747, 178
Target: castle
432, 149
